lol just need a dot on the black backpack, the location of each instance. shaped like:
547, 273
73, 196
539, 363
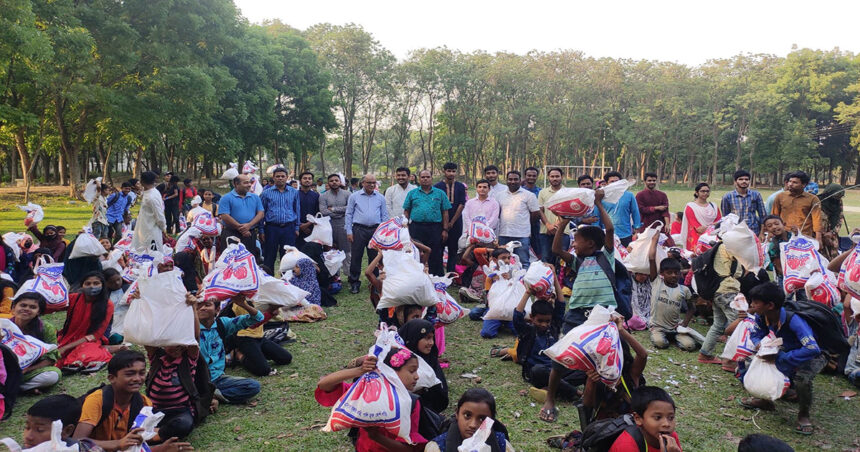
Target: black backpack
107, 404
619, 277
199, 388
825, 325
706, 277
599, 435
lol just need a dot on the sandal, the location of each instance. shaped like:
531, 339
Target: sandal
750, 404
804, 429
548, 415
704, 359
496, 352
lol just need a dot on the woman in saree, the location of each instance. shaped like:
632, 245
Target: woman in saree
698, 215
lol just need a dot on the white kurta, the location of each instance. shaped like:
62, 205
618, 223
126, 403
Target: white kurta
150, 222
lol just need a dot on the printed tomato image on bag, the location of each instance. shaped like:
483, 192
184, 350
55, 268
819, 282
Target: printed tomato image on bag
480, 232
800, 259
594, 345
849, 273
572, 202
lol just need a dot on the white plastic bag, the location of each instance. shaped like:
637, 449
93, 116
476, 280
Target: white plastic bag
55, 444
540, 277
92, 189
392, 234
799, 258
739, 303
35, 213
478, 441
11, 240
613, 192
763, 380
186, 239
28, 349
207, 224
426, 375
593, 345
820, 287
742, 243
86, 244
160, 317
503, 297
447, 310
405, 282
231, 172
249, 167
277, 292
637, 260
290, 258
321, 232
334, 260
571, 202
49, 282
377, 398
480, 232
235, 272
739, 345
148, 421
849, 273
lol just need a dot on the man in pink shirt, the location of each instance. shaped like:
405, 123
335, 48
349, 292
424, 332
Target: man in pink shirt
481, 206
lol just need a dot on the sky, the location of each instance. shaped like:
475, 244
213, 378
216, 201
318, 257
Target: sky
689, 32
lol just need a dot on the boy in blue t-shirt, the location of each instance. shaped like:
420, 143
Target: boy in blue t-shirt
591, 285
799, 358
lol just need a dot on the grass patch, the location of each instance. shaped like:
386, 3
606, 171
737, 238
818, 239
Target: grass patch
286, 417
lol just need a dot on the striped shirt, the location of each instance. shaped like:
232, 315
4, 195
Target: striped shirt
749, 207
592, 287
282, 207
166, 391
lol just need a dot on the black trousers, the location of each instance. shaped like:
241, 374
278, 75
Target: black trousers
539, 378
256, 353
177, 423
361, 236
430, 234
250, 242
452, 246
171, 215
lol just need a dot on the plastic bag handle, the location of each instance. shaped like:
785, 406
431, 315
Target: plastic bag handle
43, 260
234, 238
655, 222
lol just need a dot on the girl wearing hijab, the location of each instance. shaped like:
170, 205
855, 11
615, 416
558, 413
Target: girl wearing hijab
305, 278
419, 336
81, 341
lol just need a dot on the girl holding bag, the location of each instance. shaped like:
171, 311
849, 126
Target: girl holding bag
698, 215
81, 341
27, 310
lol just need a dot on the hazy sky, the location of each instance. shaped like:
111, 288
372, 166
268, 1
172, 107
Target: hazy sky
690, 32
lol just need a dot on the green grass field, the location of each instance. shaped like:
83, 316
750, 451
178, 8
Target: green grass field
286, 417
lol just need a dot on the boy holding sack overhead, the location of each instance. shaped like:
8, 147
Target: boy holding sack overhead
592, 285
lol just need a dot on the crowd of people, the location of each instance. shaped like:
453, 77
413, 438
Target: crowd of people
689, 276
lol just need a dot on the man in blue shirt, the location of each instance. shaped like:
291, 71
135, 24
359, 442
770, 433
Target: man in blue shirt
427, 208
281, 220
309, 204
365, 209
241, 213
456, 192
799, 358
118, 203
624, 213
745, 203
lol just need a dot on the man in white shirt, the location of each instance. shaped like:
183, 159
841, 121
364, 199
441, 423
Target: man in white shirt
518, 207
149, 231
491, 174
396, 194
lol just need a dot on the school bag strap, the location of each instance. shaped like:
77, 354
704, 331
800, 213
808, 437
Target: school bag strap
222, 330
826, 326
198, 387
108, 402
634, 432
621, 289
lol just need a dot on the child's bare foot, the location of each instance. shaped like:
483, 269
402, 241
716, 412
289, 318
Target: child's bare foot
804, 426
115, 348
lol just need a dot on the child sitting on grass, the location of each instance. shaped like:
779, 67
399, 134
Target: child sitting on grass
474, 406
499, 269
419, 336
27, 309
799, 357
654, 414
332, 386
669, 300
213, 332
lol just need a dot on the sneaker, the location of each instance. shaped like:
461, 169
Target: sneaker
468, 295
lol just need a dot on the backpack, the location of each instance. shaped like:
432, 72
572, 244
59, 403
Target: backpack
199, 388
10, 388
706, 278
599, 435
825, 325
619, 277
108, 401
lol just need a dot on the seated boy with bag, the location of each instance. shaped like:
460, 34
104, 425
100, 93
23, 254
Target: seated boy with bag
669, 300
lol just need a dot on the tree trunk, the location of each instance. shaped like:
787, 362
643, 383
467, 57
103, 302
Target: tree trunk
70, 151
712, 179
322, 156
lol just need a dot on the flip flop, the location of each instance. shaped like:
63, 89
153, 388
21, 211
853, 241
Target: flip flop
496, 352
548, 415
804, 429
709, 360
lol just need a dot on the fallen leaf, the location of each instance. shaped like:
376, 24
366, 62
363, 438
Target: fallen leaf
239, 438
253, 404
730, 398
478, 380
237, 428
848, 394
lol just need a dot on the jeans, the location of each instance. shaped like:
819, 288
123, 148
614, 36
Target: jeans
276, 237
177, 423
538, 376
803, 382
236, 389
723, 315
490, 328
256, 353
662, 339
100, 230
430, 234
115, 231
522, 251
545, 245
